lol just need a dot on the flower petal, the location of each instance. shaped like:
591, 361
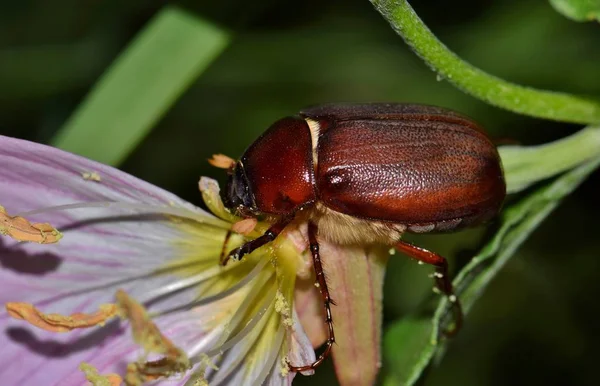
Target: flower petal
120, 232
125, 235
308, 302
45, 174
309, 306
301, 348
355, 280
132, 230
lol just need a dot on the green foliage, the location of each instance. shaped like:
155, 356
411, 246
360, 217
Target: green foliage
578, 10
175, 48
142, 84
526, 165
407, 350
336, 54
491, 89
412, 343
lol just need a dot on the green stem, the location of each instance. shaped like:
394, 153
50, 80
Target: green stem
525, 165
537, 103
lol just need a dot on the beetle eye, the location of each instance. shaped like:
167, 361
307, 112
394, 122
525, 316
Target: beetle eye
237, 194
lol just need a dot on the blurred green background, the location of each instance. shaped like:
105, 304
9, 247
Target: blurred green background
537, 324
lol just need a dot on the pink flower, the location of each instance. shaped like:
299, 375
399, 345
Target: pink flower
233, 325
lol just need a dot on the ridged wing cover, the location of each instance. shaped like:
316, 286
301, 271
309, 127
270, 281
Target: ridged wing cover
407, 164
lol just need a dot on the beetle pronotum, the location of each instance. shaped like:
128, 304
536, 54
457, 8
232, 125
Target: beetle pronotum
364, 174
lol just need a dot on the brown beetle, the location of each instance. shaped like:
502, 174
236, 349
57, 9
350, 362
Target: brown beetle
367, 173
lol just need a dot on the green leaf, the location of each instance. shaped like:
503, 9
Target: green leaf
410, 345
578, 10
406, 349
141, 85
525, 100
526, 165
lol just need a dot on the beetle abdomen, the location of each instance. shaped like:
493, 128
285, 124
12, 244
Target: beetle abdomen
415, 169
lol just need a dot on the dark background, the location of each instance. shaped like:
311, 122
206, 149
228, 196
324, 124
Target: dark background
537, 324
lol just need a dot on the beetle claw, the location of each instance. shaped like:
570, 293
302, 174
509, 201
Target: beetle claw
224, 260
235, 254
457, 312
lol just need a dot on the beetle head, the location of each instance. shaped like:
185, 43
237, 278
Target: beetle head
237, 196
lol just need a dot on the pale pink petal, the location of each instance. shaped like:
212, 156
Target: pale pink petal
355, 280
44, 174
117, 244
308, 302
186, 328
309, 306
277, 378
301, 349
125, 230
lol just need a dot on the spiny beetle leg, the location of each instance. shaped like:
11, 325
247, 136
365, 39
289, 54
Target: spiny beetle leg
249, 247
442, 279
320, 277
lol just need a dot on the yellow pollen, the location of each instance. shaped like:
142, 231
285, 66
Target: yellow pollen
147, 335
22, 230
96, 379
145, 332
91, 176
207, 362
282, 307
284, 368
60, 323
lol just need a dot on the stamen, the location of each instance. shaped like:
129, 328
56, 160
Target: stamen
209, 299
235, 320
256, 325
243, 332
271, 361
96, 379
210, 195
221, 161
147, 335
181, 284
114, 283
149, 209
198, 377
145, 332
61, 323
139, 373
21, 229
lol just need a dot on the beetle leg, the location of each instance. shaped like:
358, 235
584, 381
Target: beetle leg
249, 247
222, 257
320, 276
442, 279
